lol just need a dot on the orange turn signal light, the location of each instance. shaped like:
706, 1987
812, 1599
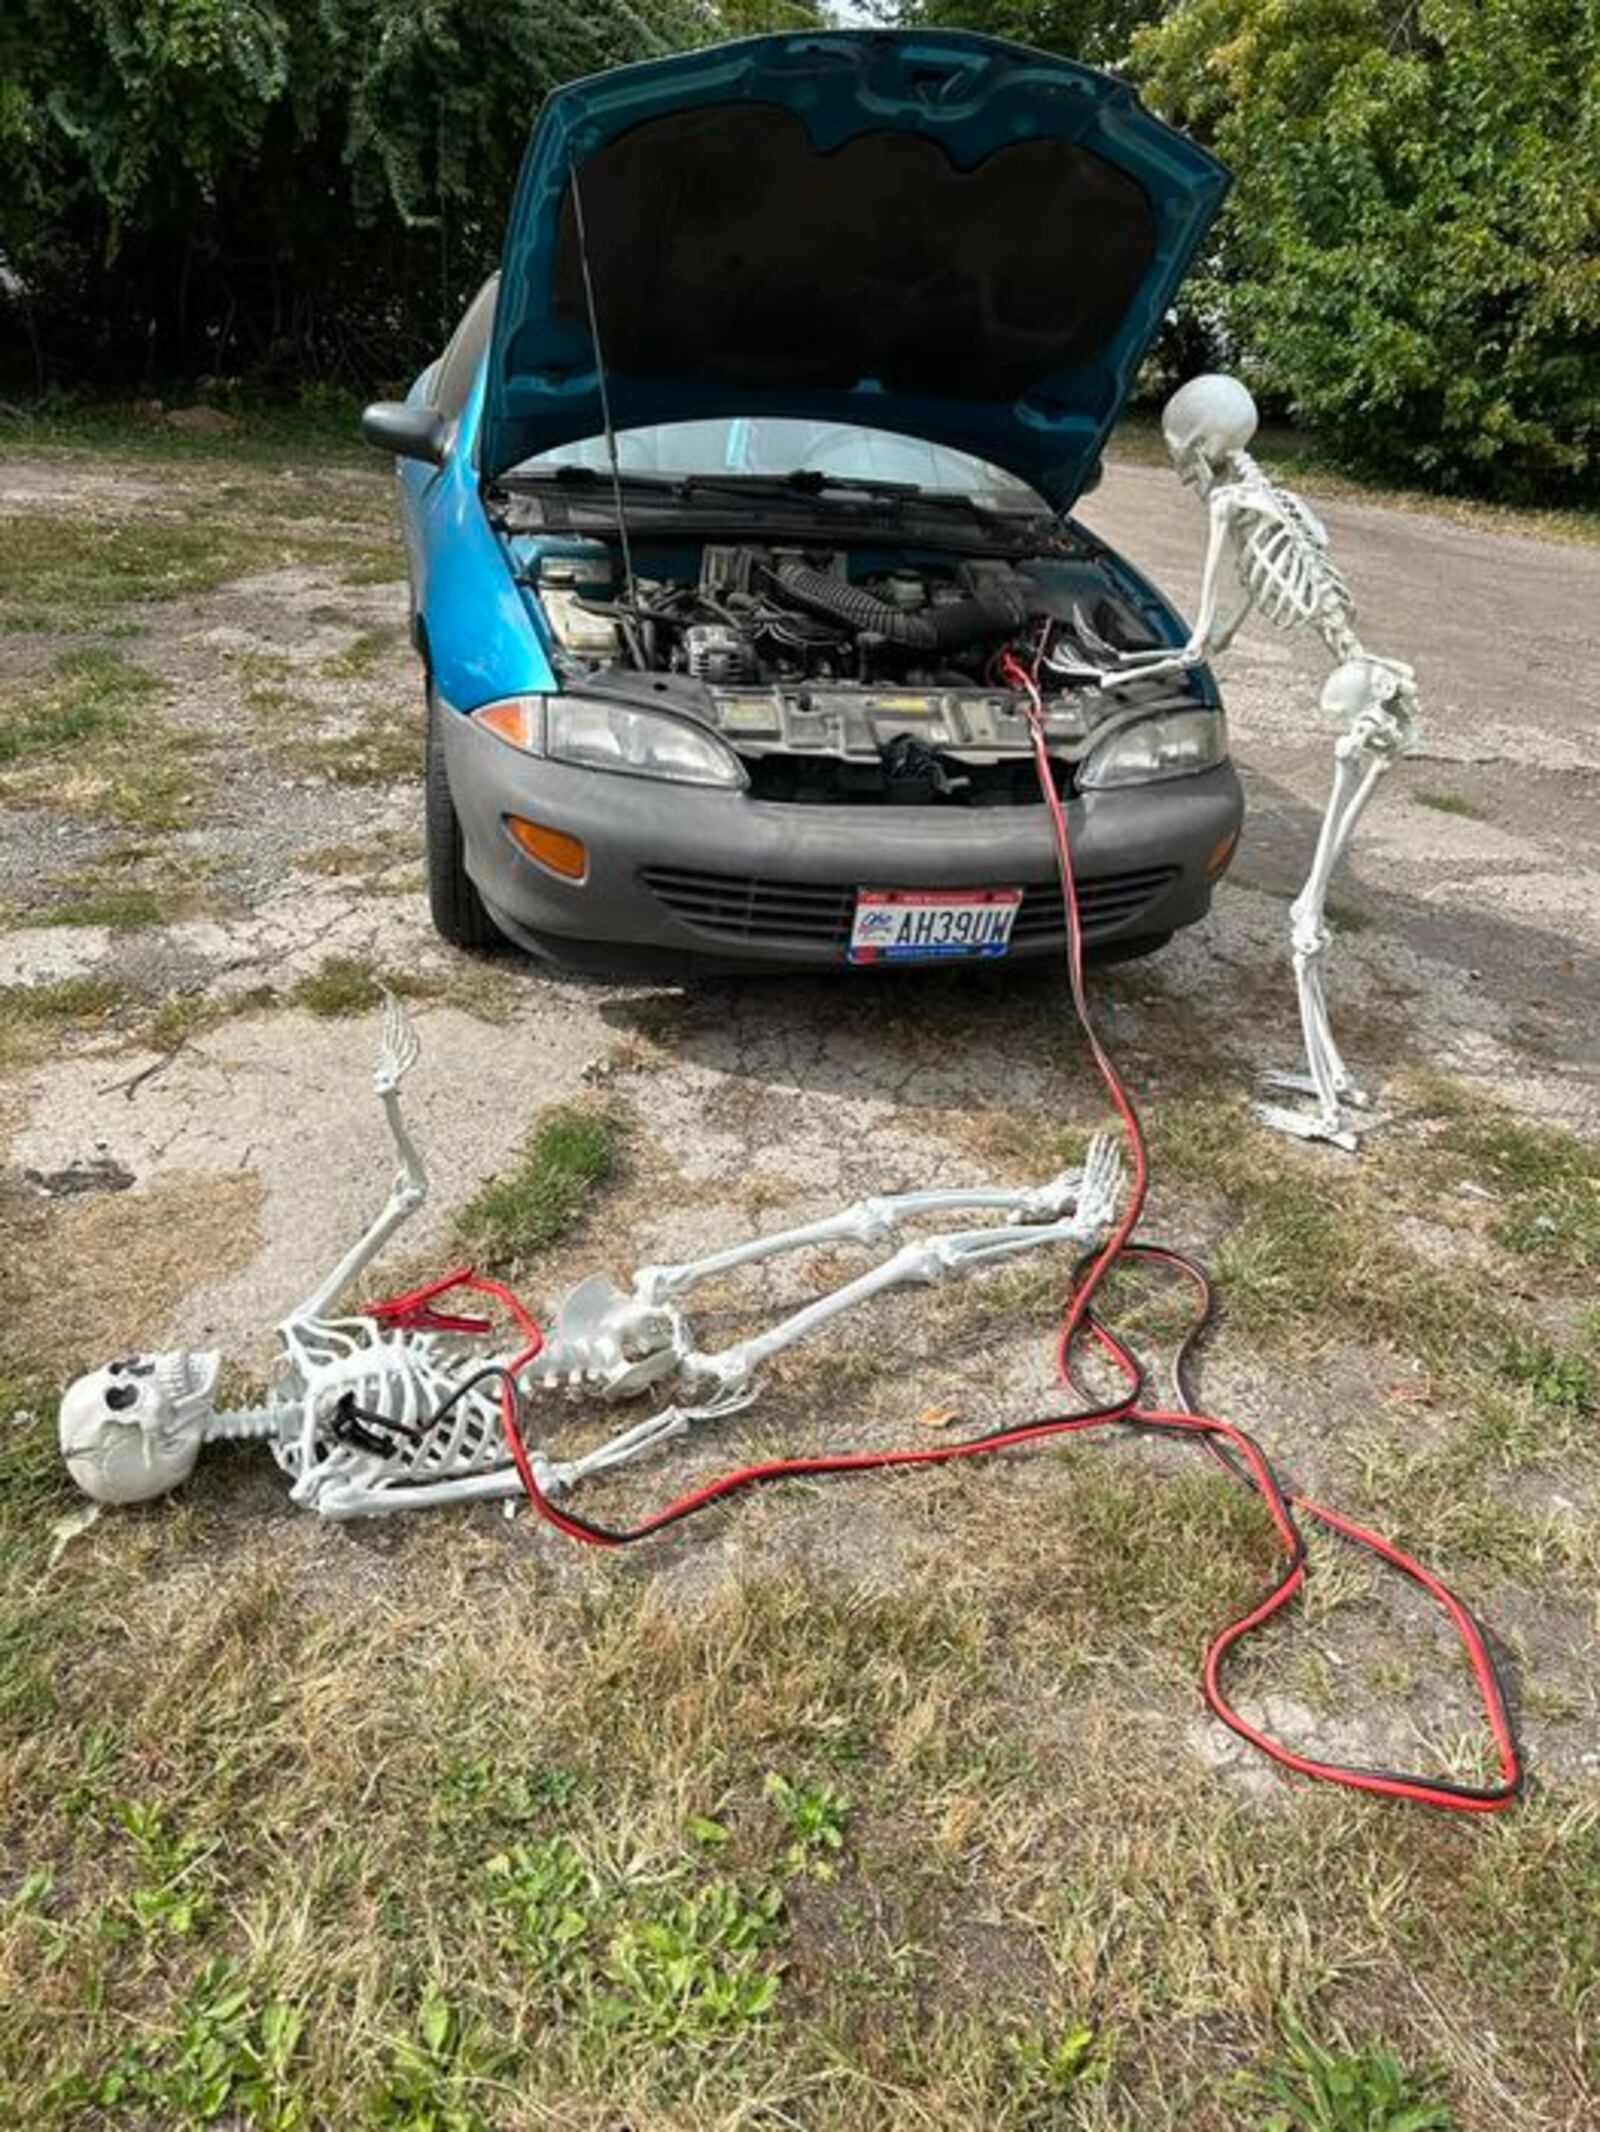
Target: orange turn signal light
553, 849
1221, 852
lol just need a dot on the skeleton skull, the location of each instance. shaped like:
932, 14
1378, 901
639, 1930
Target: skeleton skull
133, 1430
1204, 421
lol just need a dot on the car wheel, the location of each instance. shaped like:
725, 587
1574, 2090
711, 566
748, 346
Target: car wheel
457, 909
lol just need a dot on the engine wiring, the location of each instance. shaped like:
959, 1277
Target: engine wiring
1182, 1419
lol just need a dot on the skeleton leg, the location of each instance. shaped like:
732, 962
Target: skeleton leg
1327, 1078
619, 1343
726, 1379
933, 1258
869, 1221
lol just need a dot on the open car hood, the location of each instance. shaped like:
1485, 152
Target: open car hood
932, 232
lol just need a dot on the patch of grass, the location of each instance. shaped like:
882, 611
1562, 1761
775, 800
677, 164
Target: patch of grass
386, 749
72, 571
64, 999
76, 573
340, 985
123, 906
306, 437
29, 1014
573, 1151
1548, 1181
89, 745
92, 696
345, 984
1341, 2087
367, 649
1456, 803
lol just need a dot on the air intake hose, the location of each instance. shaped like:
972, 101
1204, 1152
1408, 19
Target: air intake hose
994, 610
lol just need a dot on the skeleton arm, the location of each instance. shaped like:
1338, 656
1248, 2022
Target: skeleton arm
1204, 637
397, 1055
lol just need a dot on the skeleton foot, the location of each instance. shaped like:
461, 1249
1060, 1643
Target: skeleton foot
1304, 1084
1309, 1125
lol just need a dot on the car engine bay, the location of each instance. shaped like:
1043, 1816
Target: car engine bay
850, 675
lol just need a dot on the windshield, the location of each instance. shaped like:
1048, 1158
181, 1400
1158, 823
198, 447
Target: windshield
776, 446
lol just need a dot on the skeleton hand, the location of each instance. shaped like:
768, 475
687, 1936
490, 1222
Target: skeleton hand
399, 1049
1100, 1188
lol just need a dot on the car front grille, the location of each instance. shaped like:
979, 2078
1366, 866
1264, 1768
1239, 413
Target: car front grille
759, 914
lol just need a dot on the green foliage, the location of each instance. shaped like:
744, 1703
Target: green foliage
815, 1815
1408, 261
434, 2071
278, 186
229, 2061
1044, 2075
1314, 2088
656, 1951
1096, 31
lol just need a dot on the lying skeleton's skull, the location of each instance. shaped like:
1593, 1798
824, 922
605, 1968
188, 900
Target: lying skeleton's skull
134, 1429
1204, 421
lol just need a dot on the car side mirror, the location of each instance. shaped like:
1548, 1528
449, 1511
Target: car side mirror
406, 429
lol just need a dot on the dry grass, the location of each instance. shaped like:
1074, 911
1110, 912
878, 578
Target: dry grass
845, 1809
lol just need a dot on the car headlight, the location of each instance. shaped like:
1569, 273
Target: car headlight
594, 735
1171, 744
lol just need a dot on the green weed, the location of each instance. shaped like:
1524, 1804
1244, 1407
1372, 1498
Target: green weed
1044, 2075
573, 1151
436, 2071
814, 1815
1315, 2087
229, 2059
1456, 803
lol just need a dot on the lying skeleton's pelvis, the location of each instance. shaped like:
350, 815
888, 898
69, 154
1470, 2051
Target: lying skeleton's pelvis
369, 1414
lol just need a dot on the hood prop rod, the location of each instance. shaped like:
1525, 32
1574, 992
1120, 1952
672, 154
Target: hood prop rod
593, 311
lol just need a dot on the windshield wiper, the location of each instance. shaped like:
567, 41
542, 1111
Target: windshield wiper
802, 482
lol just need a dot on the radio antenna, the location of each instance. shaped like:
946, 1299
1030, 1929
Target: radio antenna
600, 377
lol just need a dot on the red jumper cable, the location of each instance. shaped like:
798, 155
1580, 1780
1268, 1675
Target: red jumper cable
1240, 1455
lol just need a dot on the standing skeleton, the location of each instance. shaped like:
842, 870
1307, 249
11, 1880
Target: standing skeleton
1279, 550
398, 1407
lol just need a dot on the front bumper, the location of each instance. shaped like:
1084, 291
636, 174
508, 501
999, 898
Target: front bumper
686, 878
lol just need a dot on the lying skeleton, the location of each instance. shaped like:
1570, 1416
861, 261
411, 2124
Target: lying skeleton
1279, 550
369, 1413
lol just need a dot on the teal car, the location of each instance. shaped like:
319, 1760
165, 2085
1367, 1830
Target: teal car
736, 484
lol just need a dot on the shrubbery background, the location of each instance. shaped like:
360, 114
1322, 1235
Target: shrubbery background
279, 193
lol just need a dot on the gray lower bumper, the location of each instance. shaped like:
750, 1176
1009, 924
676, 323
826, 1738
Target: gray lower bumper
682, 877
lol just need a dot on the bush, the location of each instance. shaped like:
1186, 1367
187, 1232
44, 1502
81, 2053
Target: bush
280, 188
1409, 261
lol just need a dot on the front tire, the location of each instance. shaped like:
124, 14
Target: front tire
458, 911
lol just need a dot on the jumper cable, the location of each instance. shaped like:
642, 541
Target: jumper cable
1238, 1452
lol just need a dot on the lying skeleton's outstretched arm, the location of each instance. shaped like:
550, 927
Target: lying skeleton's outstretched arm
397, 1055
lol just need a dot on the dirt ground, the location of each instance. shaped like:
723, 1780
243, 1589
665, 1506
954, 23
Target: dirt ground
202, 873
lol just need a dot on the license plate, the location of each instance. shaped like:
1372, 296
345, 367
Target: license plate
932, 924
